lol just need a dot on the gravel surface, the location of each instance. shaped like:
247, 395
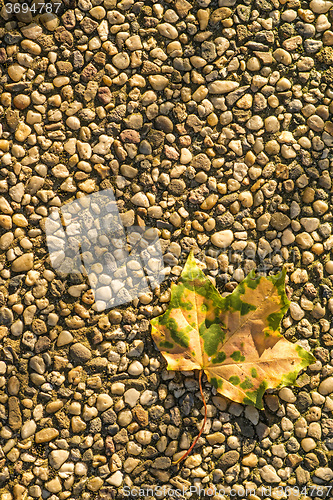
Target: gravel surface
211, 121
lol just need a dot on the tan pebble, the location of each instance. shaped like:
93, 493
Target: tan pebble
16, 72
315, 123
200, 93
121, 60
98, 12
19, 220
54, 406
272, 124
60, 81
272, 147
46, 435
222, 239
246, 199
23, 263
4, 145
222, 86
21, 101
308, 444
253, 64
6, 240
308, 195
282, 56
31, 47
175, 219
320, 207
134, 42
22, 132
185, 156
6, 99
328, 38
209, 202
283, 84
320, 6
32, 31
88, 186
292, 43
167, 30
250, 460
306, 15
286, 137
50, 21
317, 248
6, 221
329, 267
33, 117
158, 82
78, 425
255, 123
304, 240
245, 102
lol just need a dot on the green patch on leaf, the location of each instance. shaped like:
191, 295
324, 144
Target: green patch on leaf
306, 356
234, 379
167, 344
254, 398
216, 382
219, 358
179, 336
237, 356
212, 336
246, 384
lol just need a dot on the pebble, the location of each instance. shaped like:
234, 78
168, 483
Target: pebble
304, 240
135, 369
269, 474
57, 458
46, 435
326, 386
22, 132
296, 311
308, 444
320, 6
23, 263
16, 72
104, 401
131, 397
28, 429
80, 353
222, 239
222, 87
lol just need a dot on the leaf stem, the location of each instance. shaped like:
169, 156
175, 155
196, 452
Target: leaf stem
186, 454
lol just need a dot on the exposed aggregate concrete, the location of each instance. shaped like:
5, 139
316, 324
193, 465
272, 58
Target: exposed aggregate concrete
211, 120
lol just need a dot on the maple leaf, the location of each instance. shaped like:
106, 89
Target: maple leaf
235, 339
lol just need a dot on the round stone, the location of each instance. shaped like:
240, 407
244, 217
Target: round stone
255, 123
80, 353
308, 444
279, 221
23, 263
135, 369
121, 60
21, 101
104, 401
222, 239
16, 72
326, 386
